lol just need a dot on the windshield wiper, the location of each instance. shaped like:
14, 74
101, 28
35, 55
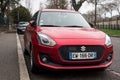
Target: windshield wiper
74, 26
50, 25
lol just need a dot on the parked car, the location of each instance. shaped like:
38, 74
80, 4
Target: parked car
21, 27
64, 40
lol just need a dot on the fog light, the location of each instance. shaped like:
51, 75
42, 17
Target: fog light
44, 58
109, 58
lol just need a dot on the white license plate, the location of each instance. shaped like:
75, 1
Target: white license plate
82, 55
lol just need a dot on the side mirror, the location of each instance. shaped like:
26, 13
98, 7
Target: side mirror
92, 25
32, 23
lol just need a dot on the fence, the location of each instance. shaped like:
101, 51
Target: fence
109, 26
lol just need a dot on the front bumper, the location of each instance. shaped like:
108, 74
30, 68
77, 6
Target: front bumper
60, 67
20, 30
56, 62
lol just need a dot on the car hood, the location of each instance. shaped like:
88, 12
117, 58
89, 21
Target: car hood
72, 33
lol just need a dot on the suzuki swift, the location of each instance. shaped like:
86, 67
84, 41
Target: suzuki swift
63, 40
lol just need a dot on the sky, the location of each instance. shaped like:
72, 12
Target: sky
35, 6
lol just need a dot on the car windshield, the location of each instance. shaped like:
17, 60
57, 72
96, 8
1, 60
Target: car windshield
62, 19
23, 24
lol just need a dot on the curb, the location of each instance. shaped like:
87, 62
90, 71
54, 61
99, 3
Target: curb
21, 61
115, 36
10, 31
14, 31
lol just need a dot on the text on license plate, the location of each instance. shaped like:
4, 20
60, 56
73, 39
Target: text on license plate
82, 55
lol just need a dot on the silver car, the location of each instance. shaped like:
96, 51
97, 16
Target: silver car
21, 27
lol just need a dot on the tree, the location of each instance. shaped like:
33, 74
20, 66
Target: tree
57, 4
6, 3
117, 6
111, 7
76, 5
5, 7
28, 4
20, 14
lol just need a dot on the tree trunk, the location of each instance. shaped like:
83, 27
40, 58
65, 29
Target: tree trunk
77, 6
118, 12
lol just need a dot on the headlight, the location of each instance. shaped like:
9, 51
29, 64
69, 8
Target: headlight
107, 41
46, 40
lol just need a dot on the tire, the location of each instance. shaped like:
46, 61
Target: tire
26, 52
34, 69
18, 31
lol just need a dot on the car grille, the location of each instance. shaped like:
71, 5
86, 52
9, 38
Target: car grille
64, 51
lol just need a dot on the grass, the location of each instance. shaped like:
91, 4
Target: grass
111, 32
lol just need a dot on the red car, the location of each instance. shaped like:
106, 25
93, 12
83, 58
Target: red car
63, 40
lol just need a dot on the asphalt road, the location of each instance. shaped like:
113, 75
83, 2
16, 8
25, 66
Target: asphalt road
112, 73
9, 69
116, 63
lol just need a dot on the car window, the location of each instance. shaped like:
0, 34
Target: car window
64, 19
23, 24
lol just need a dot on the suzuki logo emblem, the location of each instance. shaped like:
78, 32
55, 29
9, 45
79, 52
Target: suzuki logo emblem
83, 48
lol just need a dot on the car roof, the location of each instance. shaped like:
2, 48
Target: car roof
23, 22
57, 10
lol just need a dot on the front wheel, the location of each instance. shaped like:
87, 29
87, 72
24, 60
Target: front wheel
33, 67
26, 52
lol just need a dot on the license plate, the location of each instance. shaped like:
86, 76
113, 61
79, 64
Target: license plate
82, 55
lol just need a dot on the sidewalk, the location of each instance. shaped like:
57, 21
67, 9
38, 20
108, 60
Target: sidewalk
5, 29
9, 67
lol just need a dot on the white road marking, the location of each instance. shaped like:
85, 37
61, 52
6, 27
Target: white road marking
114, 72
22, 66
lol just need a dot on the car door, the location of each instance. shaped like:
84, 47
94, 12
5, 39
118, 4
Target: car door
28, 33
